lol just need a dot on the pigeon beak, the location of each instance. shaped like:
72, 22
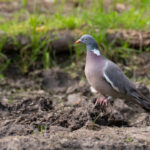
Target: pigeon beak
78, 41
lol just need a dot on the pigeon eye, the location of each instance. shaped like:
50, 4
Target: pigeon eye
86, 39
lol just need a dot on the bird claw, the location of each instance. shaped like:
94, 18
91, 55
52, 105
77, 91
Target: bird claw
102, 102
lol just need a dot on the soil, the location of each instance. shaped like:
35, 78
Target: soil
54, 109
9, 7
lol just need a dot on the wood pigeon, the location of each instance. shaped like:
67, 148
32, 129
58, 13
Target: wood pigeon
107, 78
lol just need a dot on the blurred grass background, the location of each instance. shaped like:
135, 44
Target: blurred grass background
91, 17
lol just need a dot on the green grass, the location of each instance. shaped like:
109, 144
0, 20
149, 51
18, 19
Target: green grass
43, 129
94, 17
95, 21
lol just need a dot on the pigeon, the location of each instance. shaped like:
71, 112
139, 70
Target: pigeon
107, 78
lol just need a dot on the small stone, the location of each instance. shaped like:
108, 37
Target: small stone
40, 91
72, 89
92, 126
74, 99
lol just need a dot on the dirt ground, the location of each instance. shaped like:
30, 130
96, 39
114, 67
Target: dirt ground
9, 7
54, 109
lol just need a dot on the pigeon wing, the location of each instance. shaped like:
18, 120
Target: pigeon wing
117, 79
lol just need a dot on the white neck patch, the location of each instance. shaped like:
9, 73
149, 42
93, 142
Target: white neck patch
96, 51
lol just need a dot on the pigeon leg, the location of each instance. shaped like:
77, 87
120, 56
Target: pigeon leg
104, 102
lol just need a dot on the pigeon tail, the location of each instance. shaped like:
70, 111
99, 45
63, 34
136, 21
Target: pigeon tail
142, 100
144, 104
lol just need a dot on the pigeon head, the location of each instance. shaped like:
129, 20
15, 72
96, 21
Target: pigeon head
89, 41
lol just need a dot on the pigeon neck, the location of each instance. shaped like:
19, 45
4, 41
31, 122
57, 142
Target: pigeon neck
93, 48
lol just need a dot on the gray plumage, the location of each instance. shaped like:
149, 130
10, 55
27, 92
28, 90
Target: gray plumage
106, 77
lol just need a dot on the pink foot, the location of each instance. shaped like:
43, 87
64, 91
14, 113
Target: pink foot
102, 102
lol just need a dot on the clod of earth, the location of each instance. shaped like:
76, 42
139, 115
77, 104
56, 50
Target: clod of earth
20, 47
135, 39
59, 42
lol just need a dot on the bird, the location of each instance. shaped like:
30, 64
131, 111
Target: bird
106, 77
